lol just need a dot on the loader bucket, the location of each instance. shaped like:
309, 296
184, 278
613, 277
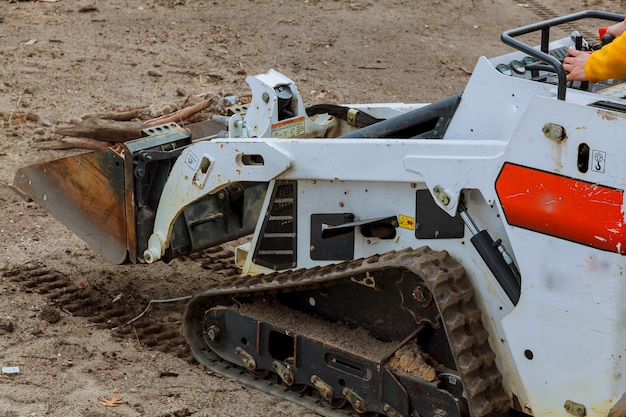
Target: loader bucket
87, 194
109, 198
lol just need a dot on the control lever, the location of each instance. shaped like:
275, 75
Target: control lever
579, 42
605, 38
581, 45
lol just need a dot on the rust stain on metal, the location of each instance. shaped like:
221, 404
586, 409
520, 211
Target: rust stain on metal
87, 194
607, 115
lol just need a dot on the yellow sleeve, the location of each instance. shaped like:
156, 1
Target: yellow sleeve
608, 62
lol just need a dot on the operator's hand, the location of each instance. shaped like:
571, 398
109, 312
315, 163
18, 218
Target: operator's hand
574, 65
616, 29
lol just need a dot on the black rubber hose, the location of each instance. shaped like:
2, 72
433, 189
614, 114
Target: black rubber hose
362, 119
432, 119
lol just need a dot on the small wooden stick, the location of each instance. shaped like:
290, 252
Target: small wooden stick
121, 116
107, 130
182, 114
72, 143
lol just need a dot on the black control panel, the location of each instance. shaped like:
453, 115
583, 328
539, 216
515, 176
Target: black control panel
529, 67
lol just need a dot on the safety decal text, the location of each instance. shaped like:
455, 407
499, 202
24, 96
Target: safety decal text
291, 128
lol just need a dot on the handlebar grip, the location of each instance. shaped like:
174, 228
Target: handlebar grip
605, 38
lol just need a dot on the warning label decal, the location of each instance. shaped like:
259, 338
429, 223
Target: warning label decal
406, 222
291, 128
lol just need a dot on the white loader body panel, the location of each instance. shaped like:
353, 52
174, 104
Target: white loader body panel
564, 340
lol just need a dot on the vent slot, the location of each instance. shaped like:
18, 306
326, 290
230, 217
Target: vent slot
276, 247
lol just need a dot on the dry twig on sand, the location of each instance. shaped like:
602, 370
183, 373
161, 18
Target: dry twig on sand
100, 130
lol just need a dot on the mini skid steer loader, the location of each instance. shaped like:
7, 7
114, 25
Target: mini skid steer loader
457, 258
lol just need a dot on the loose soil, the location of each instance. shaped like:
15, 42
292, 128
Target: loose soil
61, 59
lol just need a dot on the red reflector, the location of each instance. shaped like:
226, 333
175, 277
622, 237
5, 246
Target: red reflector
563, 207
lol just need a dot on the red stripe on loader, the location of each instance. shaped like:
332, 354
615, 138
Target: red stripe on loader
563, 207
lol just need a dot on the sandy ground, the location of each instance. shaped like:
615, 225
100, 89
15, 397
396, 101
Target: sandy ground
61, 59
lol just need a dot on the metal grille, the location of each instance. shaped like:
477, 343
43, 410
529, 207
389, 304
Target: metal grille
276, 247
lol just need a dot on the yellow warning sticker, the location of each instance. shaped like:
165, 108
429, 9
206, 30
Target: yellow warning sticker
406, 222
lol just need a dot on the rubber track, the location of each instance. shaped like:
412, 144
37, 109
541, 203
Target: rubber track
78, 299
81, 300
447, 282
